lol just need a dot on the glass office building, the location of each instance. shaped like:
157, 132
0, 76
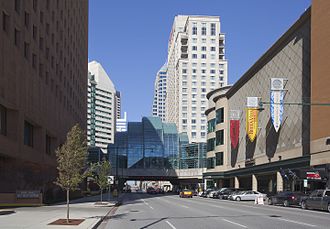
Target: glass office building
150, 144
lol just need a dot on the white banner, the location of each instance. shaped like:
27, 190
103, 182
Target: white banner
276, 108
276, 84
235, 114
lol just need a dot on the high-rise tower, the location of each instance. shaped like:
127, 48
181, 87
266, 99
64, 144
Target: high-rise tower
158, 108
101, 107
196, 66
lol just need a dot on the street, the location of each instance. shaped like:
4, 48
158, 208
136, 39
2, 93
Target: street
170, 211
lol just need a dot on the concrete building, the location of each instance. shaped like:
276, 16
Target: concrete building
121, 123
158, 108
296, 157
196, 66
101, 110
43, 68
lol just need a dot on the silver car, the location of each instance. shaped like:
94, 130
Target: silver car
247, 195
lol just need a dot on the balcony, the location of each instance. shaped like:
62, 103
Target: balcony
184, 49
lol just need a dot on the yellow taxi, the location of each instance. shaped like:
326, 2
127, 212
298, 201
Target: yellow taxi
186, 193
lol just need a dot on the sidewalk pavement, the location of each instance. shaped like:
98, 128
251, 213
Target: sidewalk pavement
40, 217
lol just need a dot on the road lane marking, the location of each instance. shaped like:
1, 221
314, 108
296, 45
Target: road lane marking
171, 225
292, 221
147, 204
228, 221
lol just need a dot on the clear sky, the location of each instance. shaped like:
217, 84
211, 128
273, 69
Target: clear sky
129, 38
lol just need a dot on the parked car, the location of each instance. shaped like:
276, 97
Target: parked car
225, 192
186, 193
319, 199
151, 190
159, 191
287, 198
247, 195
206, 192
212, 193
234, 193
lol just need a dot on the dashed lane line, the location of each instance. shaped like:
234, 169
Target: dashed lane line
237, 224
171, 225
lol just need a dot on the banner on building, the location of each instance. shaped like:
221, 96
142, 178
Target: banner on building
234, 116
252, 123
234, 133
276, 108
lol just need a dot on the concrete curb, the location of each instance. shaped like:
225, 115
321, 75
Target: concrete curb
110, 213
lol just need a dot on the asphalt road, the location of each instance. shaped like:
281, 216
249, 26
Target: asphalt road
171, 212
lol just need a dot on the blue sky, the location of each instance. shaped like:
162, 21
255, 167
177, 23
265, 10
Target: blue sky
129, 38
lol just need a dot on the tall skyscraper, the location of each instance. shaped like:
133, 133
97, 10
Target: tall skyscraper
101, 107
158, 108
196, 66
43, 89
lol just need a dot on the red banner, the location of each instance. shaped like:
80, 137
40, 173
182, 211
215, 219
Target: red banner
234, 132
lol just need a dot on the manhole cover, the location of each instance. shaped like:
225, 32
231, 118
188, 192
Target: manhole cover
275, 216
133, 219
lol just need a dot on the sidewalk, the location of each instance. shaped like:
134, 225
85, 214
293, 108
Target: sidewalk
40, 217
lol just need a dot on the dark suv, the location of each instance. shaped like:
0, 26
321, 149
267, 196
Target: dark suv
287, 198
319, 199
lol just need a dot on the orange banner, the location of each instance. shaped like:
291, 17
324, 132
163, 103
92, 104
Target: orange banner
252, 123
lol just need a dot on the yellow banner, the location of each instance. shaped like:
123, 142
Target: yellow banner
252, 123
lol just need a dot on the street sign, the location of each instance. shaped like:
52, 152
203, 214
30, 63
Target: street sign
305, 183
111, 179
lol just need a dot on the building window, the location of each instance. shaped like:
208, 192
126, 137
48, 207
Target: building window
194, 29
28, 134
203, 56
210, 144
203, 48
203, 30
193, 134
18, 6
212, 48
5, 22
16, 37
210, 163
3, 120
41, 17
27, 19
48, 144
34, 32
219, 115
26, 50
35, 5
34, 61
219, 158
194, 48
213, 31
219, 135
211, 125
194, 56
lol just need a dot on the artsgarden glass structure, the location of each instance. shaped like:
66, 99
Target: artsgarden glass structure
150, 144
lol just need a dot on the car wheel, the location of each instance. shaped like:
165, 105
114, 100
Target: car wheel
329, 208
270, 202
303, 205
238, 199
286, 203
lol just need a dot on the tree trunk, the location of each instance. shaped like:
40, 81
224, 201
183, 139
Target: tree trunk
101, 194
67, 204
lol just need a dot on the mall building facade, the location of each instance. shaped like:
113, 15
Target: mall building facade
297, 156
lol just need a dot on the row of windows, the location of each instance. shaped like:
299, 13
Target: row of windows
203, 71
204, 56
203, 48
204, 29
212, 65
